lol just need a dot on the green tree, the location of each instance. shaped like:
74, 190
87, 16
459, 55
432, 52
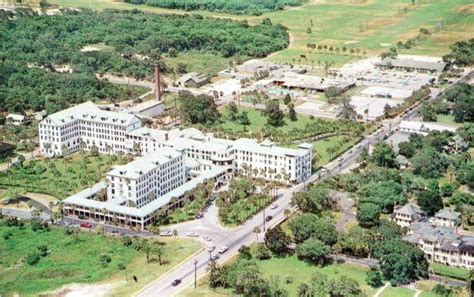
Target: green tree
407, 149
277, 240
427, 112
199, 109
383, 155
428, 163
313, 250
232, 111
374, 278
368, 214
309, 225
243, 119
287, 99
274, 114
429, 198
400, 262
292, 112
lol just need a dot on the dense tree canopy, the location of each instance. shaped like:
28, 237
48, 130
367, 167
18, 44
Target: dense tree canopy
462, 95
400, 261
384, 194
250, 7
199, 109
35, 50
462, 53
309, 225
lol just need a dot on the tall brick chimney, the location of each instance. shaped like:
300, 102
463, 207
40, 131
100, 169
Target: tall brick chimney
157, 83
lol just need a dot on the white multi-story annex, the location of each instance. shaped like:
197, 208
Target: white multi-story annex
170, 163
262, 160
85, 126
146, 178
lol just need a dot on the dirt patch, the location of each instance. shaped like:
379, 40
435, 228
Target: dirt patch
82, 290
351, 42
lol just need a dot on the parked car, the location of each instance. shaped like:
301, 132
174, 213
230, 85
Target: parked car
176, 282
192, 234
274, 206
223, 249
207, 238
268, 218
198, 216
166, 233
86, 225
211, 248
215, 257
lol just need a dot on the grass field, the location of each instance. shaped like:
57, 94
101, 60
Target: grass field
301, 271
397, 292
258, 121
447, 119
59, 177
204, 62
77, 262
323, 147
369, 25
449, 271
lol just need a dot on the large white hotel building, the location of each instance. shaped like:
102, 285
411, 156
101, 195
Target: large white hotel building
171, 163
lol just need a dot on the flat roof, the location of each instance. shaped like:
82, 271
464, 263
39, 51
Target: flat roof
145, 164
91, 112
386, 92
145, 105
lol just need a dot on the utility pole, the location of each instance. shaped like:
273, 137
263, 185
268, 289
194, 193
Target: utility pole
195, 273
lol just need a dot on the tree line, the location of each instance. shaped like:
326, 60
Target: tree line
240, 7
34, 47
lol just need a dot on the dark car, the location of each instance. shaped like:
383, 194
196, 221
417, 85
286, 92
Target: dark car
268, 218
176, 282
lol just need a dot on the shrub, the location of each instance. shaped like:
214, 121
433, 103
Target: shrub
33, 258
105, 260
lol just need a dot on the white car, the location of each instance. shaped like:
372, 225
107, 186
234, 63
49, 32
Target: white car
211, 248
223, 249
274, 206
166, 233
192, 234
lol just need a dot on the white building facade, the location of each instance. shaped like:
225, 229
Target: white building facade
146, 178
85, 126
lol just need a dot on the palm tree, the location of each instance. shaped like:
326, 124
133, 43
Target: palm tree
105, 212
151, 196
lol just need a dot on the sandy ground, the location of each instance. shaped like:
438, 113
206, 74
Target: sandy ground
83, 290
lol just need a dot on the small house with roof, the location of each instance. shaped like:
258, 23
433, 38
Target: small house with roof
407, 214
447, 218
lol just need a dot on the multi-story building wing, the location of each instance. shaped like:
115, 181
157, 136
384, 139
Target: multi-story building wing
146, 178
85, 126
267, 161
443, 245
261, 160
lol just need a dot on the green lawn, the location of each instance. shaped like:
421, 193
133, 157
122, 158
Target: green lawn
301, 271
258, 122
447, 119
449, 271
59, 177
70, 262
204, 62
324, 147
397, 292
